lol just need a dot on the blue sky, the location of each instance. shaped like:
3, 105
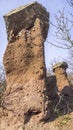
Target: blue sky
52, 7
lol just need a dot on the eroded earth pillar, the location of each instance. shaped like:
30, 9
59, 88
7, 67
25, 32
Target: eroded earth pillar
61, 75
25, 98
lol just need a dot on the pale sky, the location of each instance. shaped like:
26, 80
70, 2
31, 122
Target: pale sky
52, 7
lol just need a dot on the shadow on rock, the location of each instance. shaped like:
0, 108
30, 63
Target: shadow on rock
62, 104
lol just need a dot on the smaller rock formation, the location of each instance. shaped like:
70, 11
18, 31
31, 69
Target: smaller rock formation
62, 105
61, 75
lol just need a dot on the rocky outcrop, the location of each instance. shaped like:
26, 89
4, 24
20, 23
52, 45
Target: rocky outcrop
25, 102
51, 87
61, 75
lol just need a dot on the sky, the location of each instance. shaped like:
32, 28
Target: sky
52, 7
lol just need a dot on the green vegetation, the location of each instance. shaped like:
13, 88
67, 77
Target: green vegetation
63, 120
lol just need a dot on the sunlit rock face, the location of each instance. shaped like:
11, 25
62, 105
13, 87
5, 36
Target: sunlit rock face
25, 101
61, 75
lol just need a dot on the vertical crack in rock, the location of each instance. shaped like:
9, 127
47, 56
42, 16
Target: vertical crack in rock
25, 99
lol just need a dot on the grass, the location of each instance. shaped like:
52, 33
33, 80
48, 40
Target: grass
63, 120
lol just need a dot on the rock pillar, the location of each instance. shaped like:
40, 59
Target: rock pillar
61, 75
25, 98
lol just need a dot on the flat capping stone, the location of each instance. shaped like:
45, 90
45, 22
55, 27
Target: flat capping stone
60, 65
25, 16
20, 8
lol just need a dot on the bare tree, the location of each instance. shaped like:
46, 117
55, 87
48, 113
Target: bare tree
63, 34
63, 30
70, 2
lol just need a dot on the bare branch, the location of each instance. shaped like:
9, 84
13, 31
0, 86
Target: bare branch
58, 45
70, 2
63, 30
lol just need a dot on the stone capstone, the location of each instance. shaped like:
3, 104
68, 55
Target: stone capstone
59, 65
25, 17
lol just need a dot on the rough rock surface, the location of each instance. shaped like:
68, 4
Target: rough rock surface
25, 101
51, 87
24, 17
61, 75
